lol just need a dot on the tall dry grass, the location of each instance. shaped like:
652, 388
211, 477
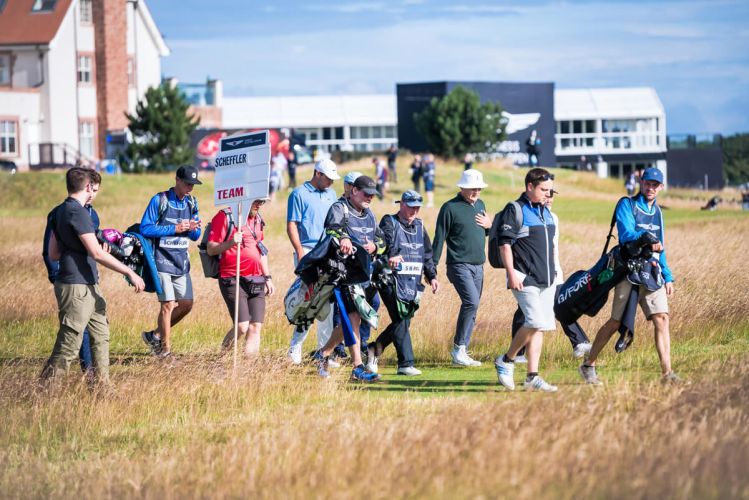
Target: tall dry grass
196, 429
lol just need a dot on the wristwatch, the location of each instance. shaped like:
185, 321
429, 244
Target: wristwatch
268, 277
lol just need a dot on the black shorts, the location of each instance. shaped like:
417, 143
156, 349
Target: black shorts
251, 306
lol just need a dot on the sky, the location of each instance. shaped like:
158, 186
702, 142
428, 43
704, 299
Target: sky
695, 53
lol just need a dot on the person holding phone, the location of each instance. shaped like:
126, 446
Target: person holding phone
171, 220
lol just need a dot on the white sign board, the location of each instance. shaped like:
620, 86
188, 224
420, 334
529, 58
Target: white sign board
242, 170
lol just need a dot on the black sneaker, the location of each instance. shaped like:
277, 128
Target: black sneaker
152, 342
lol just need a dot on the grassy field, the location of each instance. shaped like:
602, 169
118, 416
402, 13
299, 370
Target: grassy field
196, 429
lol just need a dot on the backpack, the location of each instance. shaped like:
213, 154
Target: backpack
210, 263
495, 258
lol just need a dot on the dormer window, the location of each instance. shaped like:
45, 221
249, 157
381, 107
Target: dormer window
43, 5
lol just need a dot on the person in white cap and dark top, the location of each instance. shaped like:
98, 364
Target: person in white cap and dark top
462, 227
307, 208
171, 219
409, 253
526, 244
635, 216
351, 220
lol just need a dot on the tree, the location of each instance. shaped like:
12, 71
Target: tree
458, 124
736, 158
160, 129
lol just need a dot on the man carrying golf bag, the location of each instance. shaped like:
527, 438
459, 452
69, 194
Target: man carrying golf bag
635, 217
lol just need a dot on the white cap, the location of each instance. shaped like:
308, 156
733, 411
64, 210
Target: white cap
472, 179
328, 168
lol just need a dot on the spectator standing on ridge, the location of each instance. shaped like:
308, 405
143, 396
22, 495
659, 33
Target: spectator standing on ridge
255, 280
526, 243
630, 184
635, 216
171, 220
392, 153
292, 164
428, 172
79, 300
462, 227
381, 177
416, 173
307, 208
467, 161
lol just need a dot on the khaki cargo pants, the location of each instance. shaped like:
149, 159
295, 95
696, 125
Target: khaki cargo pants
79, 306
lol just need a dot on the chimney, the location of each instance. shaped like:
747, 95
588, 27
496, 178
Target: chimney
110, 32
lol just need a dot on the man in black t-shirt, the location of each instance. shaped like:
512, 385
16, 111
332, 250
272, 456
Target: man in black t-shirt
79, 298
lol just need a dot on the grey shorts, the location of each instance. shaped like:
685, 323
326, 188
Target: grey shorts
175, 287
537, 305
650, 302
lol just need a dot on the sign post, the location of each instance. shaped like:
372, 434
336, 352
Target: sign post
242, 175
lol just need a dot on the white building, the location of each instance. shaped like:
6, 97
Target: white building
625, 127
346, 123
69, 69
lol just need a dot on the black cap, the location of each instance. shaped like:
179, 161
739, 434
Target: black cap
188, 174
366, 184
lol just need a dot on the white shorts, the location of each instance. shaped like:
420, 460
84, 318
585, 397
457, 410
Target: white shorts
537, 305
175, 287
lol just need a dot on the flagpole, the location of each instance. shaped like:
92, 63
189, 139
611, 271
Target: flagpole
236, 287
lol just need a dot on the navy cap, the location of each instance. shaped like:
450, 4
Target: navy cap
652, 174
411, 198
366, 184
188, 174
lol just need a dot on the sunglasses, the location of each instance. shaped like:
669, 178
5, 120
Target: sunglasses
547, 177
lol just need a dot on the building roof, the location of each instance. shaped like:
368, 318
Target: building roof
309, 111
20, 26
609, 103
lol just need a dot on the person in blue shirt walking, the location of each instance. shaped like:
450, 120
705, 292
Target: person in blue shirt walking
635, 216
305, 223
171, 220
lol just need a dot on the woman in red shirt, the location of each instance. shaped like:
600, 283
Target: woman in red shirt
255, 279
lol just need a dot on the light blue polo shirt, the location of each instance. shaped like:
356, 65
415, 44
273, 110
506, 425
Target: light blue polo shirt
308, 207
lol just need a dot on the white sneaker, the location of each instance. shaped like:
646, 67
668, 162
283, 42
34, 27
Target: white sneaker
461, 357
539, 384
408, 370
521, 359
332, 363
295, 354
582, 349
505, 372
372, 360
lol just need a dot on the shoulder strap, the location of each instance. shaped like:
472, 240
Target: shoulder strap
230, 225
613, 223
518, 213
345, 212
163, 205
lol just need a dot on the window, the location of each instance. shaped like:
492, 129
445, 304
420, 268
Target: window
590, 126
565, 127
85, 69
8, 137
43, 6
5, 69
87, 12
86, 138
577, 127
377, 132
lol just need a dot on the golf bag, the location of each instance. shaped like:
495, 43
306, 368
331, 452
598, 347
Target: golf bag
319, 272
586, 291
135, 251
